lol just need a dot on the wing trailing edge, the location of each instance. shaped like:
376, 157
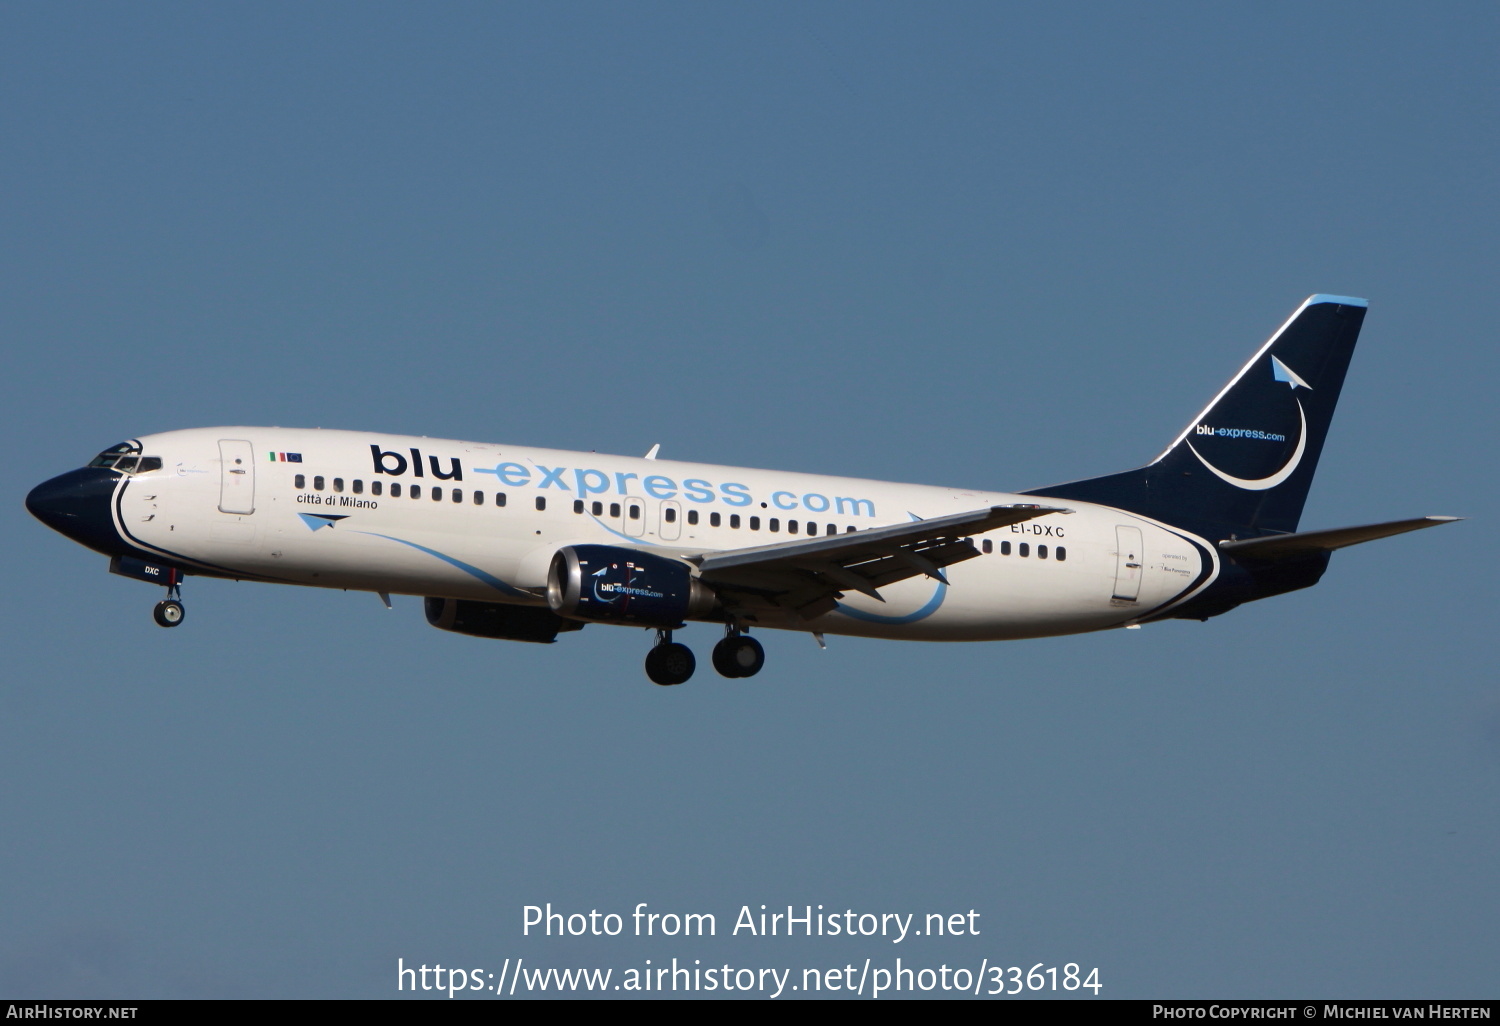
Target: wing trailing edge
809, 576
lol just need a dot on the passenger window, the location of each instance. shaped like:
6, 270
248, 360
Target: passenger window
755, 523
614, 509
1005, 548
1062, 553
597, 508
988, 546
848, 530
395, 489
1025, 549
437, 494
635, 512
734, 520
300, 481
791, 527
669, 515
478, 498
338, 484
775, 524
318, 483
692, 516
458, 495
541, 502
714, 520
359, 487
415, 491
499, 498
1041, 552
577, 505
832, 528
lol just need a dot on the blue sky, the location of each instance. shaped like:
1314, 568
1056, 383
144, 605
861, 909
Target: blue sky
986, 245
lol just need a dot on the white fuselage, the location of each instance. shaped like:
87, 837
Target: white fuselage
481, 521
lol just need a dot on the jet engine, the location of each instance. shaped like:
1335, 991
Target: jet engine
607, 584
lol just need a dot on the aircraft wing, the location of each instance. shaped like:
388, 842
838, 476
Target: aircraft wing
1289, 546
811, 575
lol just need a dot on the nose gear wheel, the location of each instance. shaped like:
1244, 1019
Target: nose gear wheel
168, 613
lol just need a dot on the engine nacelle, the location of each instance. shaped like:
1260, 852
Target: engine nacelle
614, 585
496, 620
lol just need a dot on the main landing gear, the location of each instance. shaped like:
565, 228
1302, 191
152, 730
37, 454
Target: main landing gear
738, 655
670, 662
169, 611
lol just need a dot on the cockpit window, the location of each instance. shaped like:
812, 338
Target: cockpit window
111, 456
126, 459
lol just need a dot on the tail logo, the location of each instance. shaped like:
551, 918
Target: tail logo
1282, 373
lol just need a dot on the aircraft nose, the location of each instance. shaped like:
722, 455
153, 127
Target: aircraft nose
77, 504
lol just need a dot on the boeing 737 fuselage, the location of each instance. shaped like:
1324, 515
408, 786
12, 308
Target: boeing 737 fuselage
523, 544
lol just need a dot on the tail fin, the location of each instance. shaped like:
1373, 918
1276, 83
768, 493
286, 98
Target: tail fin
1243, 467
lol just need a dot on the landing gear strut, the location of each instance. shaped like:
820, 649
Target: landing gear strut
738, 655
669, 662
169, 612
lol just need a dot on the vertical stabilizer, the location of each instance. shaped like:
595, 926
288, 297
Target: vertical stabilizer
1243, 467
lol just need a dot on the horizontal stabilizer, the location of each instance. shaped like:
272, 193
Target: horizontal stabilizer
1288, 546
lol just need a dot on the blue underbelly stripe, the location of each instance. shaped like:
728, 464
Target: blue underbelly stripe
472, 571
938, 594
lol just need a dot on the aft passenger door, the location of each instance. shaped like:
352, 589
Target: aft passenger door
236, 477
1129, 559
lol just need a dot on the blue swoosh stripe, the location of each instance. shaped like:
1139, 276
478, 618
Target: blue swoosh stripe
931, 607
627, 537
472, 571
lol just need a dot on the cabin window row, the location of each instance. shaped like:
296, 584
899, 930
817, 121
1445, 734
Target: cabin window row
629, 509
416, 491
632, 510
694, 518
1023, 549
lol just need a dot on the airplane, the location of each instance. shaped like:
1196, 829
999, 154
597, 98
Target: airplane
524, 544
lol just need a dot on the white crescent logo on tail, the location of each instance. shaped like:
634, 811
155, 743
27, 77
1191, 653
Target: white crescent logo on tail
1260, 484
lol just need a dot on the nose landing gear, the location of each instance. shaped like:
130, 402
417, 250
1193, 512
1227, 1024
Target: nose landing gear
169, 611
738, 655
669, 662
